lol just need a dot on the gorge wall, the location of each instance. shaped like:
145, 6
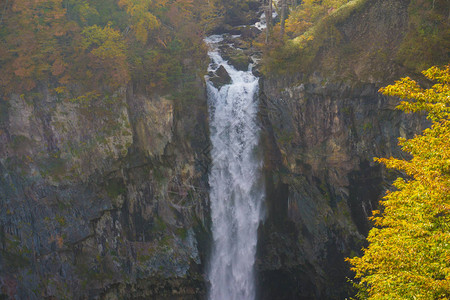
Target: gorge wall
105, 199
322, 182
323, 125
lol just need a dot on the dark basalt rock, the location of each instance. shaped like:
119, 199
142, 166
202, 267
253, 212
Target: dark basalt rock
220, 77
239, 61
256, 72
249, 32
237, 52
320, 141
321, 131
97, 203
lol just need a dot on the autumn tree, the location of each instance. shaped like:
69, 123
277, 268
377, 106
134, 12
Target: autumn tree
142, 21
96, 46
34, 42
107, 51
408, 256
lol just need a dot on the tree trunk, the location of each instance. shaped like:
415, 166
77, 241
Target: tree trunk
283, 16
268, 13
269, 16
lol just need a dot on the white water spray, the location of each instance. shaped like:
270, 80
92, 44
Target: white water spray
237, 190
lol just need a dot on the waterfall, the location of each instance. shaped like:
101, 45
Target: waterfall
237, 190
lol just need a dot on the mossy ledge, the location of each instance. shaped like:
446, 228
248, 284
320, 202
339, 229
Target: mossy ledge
367, 41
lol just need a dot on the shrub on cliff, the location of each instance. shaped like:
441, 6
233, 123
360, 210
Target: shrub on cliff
408, 256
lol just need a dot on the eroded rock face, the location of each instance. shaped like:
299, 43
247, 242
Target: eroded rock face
322, 182
321, 133
99, 199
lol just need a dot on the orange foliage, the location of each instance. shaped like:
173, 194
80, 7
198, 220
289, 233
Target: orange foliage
70, 43
34, 29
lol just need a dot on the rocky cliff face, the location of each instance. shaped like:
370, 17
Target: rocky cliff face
322, 183
107, 197
321, 134
103, 198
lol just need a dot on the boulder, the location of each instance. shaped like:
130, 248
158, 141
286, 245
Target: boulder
237, 57
220, 77
249, 32
240, 61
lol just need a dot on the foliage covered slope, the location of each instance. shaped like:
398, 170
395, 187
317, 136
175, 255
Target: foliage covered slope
101, 45
337, 37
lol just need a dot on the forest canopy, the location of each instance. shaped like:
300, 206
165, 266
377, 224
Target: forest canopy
99, 45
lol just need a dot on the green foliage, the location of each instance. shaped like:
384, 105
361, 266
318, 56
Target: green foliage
429, 35
309, 28
115, 187
314, 30
182, 232
141, 19
107, 51
15, 255
106, 42
409, 248
310, 12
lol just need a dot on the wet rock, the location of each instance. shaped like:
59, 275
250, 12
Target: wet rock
249, 32
240, 62
220, 78
239, 58
256, 72
236, 30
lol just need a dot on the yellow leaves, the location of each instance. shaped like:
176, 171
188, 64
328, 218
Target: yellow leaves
142, 20
107, 42
296, 24
143, 26
86, 98
86, 10
309, 13
108, 49
439, 75
409, 249
435, 101
61, 90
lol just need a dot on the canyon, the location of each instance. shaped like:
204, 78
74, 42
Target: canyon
111, 199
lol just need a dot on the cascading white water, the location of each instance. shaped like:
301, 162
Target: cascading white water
235, 180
